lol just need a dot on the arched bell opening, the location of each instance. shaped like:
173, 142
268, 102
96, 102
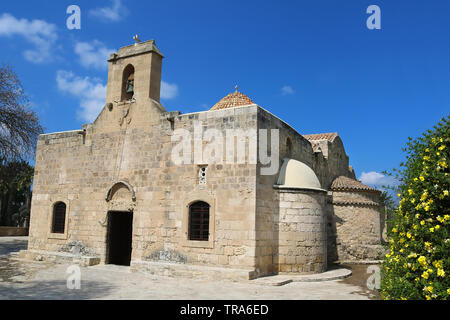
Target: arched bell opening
128, 84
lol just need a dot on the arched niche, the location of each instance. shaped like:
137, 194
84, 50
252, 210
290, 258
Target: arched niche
120, 190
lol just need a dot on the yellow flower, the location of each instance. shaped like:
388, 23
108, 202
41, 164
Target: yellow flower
413, 200
394, 230
431, 229
430, 289
422, 178
424, 196
441, 273
410, 191
445, 192
422, 222
428, 297
422, 260
399, 195
438, 153
448, 291
427, 208
427, 150
409, 235
441, 147
417, 216
437, 227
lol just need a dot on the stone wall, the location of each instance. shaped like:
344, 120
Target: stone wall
358, 225
267, 198
13, 232
302, 236
127, 143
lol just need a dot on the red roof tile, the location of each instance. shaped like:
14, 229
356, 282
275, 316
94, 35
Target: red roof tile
235, 99
344, 183
321, 136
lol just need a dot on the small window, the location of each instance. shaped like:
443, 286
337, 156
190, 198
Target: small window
59, 217
199, 221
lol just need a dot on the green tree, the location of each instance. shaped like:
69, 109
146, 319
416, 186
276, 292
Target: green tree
417, 264
15, 193
389, 206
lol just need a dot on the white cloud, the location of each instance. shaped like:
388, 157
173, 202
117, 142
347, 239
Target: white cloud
168, 91
114, 13
94, 54
38, 32
287, 90
377, 179
90, 92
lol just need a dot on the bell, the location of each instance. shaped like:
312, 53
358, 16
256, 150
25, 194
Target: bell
130, 86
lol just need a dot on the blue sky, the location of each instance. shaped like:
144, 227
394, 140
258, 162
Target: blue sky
314, 64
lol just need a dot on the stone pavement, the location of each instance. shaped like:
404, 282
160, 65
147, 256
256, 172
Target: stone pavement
12, 244
40, 280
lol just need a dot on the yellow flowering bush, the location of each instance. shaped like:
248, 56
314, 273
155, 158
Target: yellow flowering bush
417, 265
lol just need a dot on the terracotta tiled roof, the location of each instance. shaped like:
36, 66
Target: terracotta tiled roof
321, 136
355, 203
344, 183
235, 99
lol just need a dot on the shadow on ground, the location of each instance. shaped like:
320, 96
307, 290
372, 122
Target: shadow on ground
53, 290
7, 247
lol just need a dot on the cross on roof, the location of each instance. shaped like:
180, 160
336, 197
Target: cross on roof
136, 38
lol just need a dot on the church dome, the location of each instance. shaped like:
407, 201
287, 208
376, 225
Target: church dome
235, 99
296, 174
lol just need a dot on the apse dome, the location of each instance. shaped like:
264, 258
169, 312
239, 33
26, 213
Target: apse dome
297, 175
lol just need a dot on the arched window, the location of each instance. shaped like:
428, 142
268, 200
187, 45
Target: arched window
59, 217
199, 221
128, 83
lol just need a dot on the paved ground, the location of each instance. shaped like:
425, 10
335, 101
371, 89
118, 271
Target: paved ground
41, 280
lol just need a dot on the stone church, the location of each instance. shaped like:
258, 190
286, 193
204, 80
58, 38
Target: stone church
111, 194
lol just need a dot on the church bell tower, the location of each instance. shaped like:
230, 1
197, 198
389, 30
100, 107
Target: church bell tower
134, 73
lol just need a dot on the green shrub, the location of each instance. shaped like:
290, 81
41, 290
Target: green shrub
417, 264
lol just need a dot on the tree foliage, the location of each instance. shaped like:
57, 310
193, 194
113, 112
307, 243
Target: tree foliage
19, 126
417, 265
15, 192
